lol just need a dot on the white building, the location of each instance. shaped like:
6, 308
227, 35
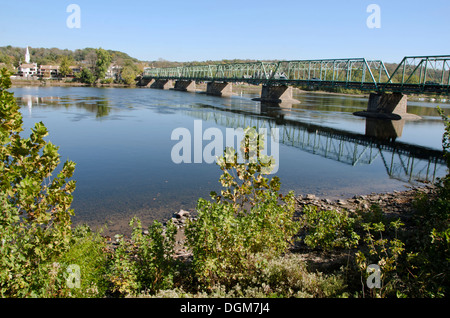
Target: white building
27, 69
113, 72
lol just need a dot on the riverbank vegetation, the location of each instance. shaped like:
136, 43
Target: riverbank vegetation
90, 66
249, 240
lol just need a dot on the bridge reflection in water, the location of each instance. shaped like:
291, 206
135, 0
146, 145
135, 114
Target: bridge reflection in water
405, 162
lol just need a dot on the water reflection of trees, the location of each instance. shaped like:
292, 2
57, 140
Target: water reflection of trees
96, 105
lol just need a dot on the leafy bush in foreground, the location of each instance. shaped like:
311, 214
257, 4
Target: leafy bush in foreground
430, 261
329, 229
146, 262
35, 225
247, 224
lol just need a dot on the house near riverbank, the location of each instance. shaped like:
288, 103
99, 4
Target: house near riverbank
114, 72
27, 70
48, 71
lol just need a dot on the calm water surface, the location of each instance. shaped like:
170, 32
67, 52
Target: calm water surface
121, 142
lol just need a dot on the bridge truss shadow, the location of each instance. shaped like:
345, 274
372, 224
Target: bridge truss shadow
405, 162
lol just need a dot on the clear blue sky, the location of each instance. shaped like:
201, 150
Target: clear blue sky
201, 30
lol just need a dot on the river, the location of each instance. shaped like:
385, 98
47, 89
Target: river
121, 140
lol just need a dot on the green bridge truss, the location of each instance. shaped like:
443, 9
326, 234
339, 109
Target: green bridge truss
415, 74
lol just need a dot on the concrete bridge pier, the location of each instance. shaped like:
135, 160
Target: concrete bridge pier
219, 88
276, 94
185, 86
162, 84
146, 82
387, 106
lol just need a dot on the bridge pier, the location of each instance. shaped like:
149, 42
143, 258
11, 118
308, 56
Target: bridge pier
387, 106
185, 86
162, 84
146, 82
219, 88
276, 94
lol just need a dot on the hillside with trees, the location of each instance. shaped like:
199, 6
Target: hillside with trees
94, 63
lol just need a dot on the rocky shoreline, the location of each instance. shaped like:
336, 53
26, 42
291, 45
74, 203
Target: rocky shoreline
394, 204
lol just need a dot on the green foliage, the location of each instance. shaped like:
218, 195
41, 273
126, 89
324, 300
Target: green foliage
146, 262
154, 255
88, 250
329, 229
122, 271
64, 67
430, 244
249, 223
35, 225
417, 263
445, 137
129, 73
13, 55
286, 276
103, 62
107, 81
385, 252
85, 76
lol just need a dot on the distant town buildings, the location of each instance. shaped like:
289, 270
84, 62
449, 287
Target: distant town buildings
29, 70
48, 71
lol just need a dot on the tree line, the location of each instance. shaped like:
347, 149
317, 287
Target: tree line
94, 62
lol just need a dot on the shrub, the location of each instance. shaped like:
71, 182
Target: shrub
146, 263
283, 277
430, 242
329, 229
247, 224
107, 81
88, 250
288, 276
35, 224
384, 252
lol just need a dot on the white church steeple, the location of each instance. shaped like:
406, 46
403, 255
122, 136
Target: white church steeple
27, 56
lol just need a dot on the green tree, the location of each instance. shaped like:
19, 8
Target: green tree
86, 76
129, 72
64, 66
103, 62
35, 218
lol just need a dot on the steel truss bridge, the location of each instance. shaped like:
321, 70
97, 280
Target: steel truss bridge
404, 162
414, 74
